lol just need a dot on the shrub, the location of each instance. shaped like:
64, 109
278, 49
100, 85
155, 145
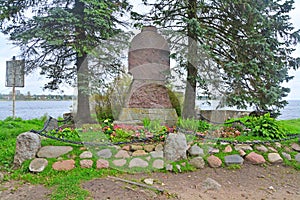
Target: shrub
262, 126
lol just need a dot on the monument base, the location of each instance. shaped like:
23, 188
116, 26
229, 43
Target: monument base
167, 116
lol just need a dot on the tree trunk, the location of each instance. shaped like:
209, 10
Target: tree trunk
191, 83
83, 104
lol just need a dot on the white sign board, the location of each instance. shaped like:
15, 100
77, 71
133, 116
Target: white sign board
15, 73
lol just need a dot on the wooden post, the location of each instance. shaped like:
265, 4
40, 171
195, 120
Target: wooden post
14, 90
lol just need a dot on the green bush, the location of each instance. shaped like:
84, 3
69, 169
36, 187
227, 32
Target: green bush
262, 126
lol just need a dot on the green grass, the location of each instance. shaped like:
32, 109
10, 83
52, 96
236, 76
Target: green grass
9, 130
291, 126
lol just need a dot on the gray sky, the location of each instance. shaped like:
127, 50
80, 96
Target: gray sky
34, 82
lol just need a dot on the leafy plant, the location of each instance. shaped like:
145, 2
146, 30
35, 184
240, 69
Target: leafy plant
146, 122
66, 133
262, 126
193, 125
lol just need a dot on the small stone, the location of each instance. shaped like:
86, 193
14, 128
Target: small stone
64, 165
159, 147
120, 162
244, 147
139, 153
274, 158
86, 163
195, 150
178, 167
287, 149
242, 153
122, 154
126, 148
197, 162
255, 158
157, 154
149, 148
136, 147
297, 157
233, 159
212, 150
86, 154
286, 155
102, 164
138, 162
82, 148
38, 165
158, 164
214, 161
104, 153
277, 145
53, 151
224, 143
149, 181
227, 149
296, 147
210, 184
272, 149
169, 167
261, 148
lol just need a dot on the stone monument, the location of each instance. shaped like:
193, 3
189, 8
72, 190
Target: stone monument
149, 63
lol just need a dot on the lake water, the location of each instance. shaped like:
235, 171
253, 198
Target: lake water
37, 109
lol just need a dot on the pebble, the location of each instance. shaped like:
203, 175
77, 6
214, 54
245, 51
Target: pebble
64, 165
197, 162
86, 163
261, 148
274, 158
149, 181
158, 164
120, 162
101, 163
286, 155
296, 147
233, 159
211, 184
86, 154
138, 162
214, 161
255, 158
38, 165
122, 154
104, 153
244, 147
228, 149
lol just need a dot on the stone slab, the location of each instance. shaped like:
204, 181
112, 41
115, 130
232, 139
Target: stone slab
53, 151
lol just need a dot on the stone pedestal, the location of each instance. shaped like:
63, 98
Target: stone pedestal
149, 64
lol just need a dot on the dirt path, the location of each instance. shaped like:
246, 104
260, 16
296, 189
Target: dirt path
249, 182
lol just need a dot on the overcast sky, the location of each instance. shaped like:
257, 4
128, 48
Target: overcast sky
34, 82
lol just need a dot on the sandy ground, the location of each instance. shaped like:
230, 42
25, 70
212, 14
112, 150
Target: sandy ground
249, 182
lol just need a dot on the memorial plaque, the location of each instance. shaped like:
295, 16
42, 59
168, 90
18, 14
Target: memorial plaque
15, 73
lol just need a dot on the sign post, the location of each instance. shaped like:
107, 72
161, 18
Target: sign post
14, 78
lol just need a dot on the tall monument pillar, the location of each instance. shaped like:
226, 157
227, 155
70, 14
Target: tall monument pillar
149, 64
